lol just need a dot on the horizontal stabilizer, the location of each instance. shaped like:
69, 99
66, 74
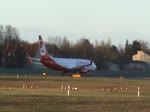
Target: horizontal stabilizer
29, 58
33, 59
38, 63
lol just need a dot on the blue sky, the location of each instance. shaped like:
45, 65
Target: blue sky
94, 19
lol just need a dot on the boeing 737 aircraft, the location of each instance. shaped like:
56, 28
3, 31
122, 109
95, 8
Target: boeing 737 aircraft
65, 65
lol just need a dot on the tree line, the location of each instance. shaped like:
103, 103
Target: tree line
13, 49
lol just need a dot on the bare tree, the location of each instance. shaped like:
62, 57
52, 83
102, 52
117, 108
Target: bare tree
11, 41
1, 34
144, 44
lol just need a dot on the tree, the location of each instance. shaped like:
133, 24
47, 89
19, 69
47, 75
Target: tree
20, 56
65, 47
144, 44
1, 43
84, 49
11, 40
128, 50
103, 53
136, 46
1, 34
114, 52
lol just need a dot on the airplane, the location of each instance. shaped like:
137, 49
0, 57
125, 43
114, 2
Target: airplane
65, 65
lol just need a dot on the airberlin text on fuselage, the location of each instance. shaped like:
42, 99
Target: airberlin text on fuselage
81, 63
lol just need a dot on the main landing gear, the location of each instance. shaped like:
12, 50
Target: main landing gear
74, 74
67, 74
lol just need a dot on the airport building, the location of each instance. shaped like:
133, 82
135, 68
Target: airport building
143, 56
139, 62
127, 66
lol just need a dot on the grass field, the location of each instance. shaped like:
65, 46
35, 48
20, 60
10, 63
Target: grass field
44, 94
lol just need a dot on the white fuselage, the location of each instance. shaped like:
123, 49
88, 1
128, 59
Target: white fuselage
75, 63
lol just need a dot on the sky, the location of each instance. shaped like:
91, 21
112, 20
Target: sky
93, 19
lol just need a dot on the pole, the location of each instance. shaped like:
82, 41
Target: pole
138, 91
68, 90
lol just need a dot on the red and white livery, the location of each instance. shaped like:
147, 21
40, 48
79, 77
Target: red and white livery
65, 65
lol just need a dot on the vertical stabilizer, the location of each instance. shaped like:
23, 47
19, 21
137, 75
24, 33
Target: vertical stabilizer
43, 51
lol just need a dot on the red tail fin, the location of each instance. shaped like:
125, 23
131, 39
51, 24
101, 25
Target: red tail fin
43, 51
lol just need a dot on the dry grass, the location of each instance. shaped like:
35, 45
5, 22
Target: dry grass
89, 98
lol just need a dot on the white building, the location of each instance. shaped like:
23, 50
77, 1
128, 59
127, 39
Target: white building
142, 56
